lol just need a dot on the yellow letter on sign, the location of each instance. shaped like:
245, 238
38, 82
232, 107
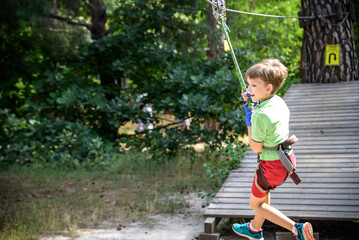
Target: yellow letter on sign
332, 54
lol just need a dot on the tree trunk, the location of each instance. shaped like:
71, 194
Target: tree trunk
215, 48
332, 25
98, 21
214, 36
55, 11
98, 31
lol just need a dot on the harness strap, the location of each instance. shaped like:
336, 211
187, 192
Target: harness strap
263, 179
288, 142
272, 148
256, 182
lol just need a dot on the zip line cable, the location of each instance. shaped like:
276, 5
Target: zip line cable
267, 15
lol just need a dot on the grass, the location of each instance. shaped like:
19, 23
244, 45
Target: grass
39, 200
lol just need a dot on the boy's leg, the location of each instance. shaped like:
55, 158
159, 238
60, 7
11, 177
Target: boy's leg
258, 219
264, 210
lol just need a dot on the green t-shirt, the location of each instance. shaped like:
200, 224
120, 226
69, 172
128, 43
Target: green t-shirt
270, 125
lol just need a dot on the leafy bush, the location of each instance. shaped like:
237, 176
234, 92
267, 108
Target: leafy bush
66, 104
219, 170
58, 142
206, 91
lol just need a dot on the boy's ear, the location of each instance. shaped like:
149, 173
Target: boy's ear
269, 88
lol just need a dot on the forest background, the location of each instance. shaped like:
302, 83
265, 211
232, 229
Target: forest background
67, 90
78, 75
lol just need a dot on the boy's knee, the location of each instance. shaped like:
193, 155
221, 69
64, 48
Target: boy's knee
255, 202
251, 204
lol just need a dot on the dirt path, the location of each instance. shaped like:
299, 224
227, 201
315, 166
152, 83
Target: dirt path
187, 224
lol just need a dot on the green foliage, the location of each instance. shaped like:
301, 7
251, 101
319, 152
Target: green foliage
205, 91
219, 170
59, 83
57, 142
267, 37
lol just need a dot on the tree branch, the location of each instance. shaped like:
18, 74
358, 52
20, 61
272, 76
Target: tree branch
70, 21
88, 5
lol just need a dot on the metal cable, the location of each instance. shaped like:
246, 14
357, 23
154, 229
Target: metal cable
268, 15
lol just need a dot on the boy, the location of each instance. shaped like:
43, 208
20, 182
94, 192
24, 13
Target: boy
268, 126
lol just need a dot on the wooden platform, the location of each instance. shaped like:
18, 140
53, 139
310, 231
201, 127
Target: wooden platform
325, 118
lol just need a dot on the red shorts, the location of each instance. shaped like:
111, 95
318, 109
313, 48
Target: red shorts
274, 172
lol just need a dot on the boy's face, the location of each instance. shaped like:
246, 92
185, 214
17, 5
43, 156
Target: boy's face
259, 89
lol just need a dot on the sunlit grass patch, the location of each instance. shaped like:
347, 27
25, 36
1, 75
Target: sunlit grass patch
43, 200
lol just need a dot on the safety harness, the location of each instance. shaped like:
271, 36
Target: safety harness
285, 160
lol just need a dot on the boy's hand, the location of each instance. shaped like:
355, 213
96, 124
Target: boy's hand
245, 96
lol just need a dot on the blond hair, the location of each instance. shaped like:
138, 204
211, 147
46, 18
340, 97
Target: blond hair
271, 71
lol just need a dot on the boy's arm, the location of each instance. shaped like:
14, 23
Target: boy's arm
255, 146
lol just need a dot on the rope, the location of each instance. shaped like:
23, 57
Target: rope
219, 12
238, 72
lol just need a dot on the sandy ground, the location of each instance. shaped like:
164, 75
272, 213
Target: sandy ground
187, 224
